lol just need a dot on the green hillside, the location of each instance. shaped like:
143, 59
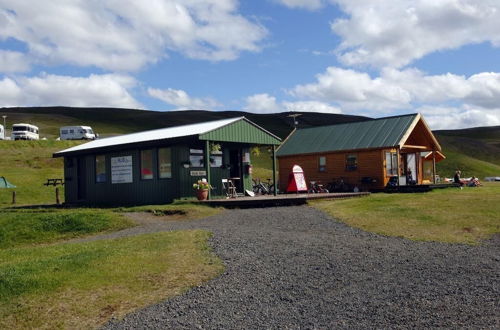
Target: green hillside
476, 151
113, 121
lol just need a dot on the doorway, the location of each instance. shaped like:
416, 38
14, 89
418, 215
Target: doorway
81, 172
235, 170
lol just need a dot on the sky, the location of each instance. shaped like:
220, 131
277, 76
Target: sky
355, 57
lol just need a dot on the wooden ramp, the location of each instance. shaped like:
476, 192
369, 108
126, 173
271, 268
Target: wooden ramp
280, 200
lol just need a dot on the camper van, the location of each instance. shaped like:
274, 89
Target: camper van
2, 133
77, 133
24, 132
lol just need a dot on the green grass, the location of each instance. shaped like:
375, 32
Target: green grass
27, 165
468, 165
83, 285
446, 215
45, 226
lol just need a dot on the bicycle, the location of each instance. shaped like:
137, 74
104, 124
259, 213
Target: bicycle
316, 188
260, 188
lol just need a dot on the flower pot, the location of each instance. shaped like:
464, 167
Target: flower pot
202, 194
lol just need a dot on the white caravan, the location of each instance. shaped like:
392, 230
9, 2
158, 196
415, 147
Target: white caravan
24, 132
2, 133
77, 133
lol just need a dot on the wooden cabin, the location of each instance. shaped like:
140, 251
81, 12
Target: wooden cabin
158, 166
368, 155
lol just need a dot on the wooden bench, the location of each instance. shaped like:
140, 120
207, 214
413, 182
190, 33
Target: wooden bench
54, 182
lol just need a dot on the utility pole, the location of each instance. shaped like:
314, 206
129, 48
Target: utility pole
295, 121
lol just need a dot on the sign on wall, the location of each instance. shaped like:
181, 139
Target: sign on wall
198, 173
121, 169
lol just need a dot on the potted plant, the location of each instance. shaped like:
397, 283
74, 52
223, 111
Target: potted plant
201, 187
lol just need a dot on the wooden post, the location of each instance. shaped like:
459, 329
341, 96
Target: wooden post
274, 171
207, 166
58, 201
397, 162
14, 197
434, 166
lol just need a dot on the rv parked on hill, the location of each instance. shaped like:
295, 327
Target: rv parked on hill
77, 133
2, 133
24, 132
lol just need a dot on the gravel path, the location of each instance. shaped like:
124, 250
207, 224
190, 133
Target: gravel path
294, 267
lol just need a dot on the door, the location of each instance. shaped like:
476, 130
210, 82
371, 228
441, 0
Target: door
411, 168
235, 170
81, 174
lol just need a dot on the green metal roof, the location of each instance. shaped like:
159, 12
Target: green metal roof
376, 133
242, 131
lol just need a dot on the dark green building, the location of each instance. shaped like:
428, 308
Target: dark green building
158, 166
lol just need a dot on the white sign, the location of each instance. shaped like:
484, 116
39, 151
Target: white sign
198, 173
121, 169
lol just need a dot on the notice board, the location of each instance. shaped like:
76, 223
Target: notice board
121, 169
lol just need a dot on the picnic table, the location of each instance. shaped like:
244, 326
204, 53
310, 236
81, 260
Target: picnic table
54, 182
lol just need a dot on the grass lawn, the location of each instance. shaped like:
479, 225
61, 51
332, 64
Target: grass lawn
83, 285
446, 215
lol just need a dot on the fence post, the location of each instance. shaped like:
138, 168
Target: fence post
58, 201
14, 197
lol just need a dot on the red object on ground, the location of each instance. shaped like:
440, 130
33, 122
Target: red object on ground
296, 180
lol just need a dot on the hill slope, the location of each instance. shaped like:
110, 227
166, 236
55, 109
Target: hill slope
476, 151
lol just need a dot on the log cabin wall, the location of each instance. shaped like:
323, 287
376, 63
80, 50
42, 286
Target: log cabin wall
370, 164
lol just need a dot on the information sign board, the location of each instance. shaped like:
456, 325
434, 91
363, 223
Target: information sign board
121, 169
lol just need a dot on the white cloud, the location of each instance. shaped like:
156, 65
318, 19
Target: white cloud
462, 117
182, 100
396, 32
264, 103
125, 35
13, 62
306, 4
310, 106
109, 90
405, 89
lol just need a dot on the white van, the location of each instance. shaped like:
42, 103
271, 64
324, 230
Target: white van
77, 133
24, 132
2, 133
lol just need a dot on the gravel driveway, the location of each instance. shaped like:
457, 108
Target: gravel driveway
294, 267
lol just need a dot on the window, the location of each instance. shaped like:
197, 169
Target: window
196, 157
216, 159
165, 163
351, 162
100, 168
72, 131
146, 164
391, 163
322, 164
64, 131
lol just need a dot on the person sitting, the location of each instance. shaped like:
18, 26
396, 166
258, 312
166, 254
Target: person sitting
474, 182
456, 178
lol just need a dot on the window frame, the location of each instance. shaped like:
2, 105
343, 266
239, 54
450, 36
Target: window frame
159, 164
321, 167
394, 163
197, 153
97, 175
351, 167
141, 167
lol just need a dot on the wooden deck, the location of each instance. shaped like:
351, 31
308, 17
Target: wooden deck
280, 200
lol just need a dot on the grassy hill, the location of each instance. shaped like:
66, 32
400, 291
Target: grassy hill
113, 121
476, 151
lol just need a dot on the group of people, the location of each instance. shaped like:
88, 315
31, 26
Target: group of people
472, 182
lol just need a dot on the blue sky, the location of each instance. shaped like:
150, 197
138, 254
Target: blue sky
362, 57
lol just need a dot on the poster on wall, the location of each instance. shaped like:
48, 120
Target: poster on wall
121, 169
